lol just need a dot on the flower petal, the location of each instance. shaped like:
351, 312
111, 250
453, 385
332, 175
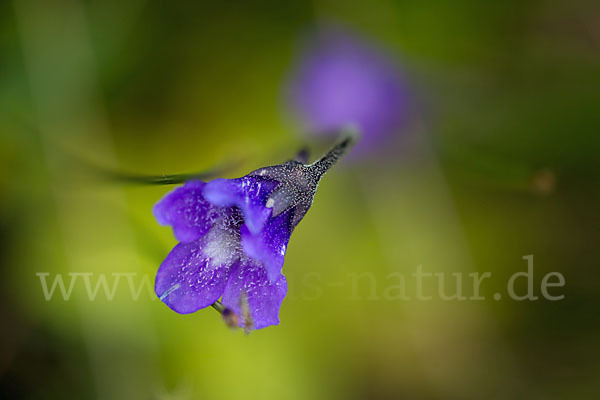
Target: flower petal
249, 281
270, 244
194, 275
249, 193
187, 211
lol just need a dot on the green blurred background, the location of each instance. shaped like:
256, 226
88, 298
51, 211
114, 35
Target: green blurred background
502, 163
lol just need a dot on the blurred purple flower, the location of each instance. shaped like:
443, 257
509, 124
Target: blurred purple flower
340, 79
233, 237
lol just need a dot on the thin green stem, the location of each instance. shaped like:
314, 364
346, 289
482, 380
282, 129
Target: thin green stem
217, 305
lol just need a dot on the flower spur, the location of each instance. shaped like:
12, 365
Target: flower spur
233, 236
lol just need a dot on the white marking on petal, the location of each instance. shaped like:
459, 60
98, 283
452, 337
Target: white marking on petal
169, 291
221, 246
270, 203
282, 251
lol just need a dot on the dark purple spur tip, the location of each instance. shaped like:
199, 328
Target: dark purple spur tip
350, 135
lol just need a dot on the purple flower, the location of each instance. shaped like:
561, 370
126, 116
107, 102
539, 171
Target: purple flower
233, 237
340, 79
